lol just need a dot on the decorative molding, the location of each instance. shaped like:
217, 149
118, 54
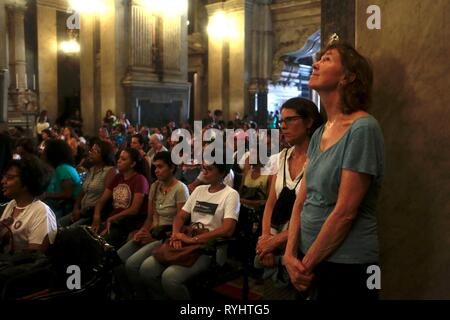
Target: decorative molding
290, 5
171, 50
61, 5
229, 6
142, 36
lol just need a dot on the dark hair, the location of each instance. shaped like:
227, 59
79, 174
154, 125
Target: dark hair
305, 109
166, 157
73, 134
42, 116
139, 137
356, 94
34, 174
222, 167
58, 152
28, 145
106, 152
138, 159
48, 132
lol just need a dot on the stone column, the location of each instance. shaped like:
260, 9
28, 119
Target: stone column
4, 78
17, 63
87, 72
47, 59
113, 57
229, 60
261, 59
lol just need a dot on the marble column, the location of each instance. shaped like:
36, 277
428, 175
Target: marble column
47, 59
411, 100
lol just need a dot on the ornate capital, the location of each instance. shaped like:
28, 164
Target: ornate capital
16, 5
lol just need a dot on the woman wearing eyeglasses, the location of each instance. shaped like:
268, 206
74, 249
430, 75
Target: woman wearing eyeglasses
299, 119
31, 221
333, 228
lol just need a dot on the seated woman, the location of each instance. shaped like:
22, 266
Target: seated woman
299, 119
65, 184
32, 222
166, 198
216, 205
127, 191
255, 187
100, 175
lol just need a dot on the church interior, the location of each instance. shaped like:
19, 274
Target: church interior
163, 61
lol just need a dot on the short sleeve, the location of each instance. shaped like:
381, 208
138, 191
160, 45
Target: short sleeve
364, 151
63, 173
140, 185
151, 193
232, 206
182, 193
114, 182
41, 226
189, 205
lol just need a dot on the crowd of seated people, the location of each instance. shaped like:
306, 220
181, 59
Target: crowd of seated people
124, 183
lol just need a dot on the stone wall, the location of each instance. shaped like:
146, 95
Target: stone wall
411, 102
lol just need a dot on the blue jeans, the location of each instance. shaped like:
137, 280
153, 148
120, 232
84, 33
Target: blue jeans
168, 282
133, 255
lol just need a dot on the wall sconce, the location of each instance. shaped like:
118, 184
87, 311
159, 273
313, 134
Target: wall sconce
70, 46
221, 26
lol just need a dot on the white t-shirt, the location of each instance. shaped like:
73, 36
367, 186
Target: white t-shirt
32, 225
211, 208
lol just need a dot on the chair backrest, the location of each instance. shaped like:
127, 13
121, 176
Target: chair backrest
80, 246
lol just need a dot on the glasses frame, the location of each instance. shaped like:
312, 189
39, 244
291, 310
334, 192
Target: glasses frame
288, 120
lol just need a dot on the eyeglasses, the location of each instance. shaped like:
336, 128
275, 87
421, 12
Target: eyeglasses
288, 120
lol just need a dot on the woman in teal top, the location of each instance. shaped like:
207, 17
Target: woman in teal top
333, 235
65, 184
